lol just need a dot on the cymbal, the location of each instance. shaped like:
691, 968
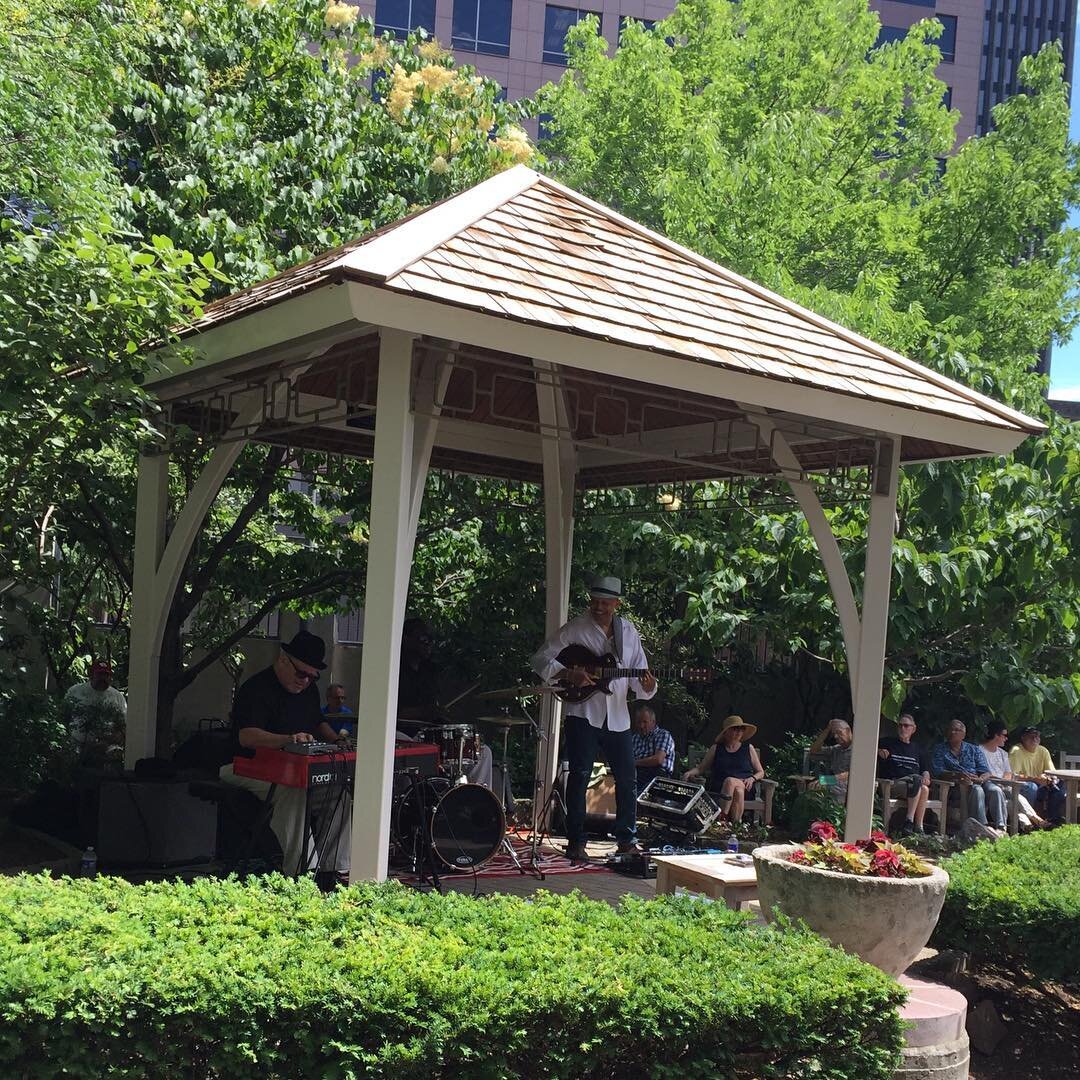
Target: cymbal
504, 721
518, 691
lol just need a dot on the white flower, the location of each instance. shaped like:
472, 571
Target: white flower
188, 18
340, 15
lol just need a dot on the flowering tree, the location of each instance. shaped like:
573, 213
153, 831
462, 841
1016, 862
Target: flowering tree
252, 134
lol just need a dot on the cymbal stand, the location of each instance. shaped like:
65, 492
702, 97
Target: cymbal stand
507, 844
541, 814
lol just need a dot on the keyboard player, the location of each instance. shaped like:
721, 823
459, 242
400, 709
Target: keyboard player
278, 706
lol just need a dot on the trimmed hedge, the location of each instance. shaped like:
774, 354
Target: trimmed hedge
1018, 897
269, 978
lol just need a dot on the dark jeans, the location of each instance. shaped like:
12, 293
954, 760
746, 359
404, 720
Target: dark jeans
645, 773
582, 743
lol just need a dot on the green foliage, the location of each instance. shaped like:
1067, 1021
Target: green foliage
251, 130
271, 979
33, 737
784, 145
814, 804
1019, 896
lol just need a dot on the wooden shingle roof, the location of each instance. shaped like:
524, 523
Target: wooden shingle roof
524, 248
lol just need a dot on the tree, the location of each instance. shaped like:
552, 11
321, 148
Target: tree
253, 134
785, 144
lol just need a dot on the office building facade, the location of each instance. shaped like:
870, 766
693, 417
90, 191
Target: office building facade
519, 43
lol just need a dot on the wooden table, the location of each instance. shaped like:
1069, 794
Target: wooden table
711, 875
1071, 779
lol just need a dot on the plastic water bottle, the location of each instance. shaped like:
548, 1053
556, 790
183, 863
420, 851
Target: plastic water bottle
732, 846
88, 867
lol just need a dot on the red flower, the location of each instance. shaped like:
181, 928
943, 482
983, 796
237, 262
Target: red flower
798, 855
850, 847
879, 837
822, 831
886, 863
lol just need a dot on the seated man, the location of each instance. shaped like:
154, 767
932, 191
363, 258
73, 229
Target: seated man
654, 747
907, 765
338, 715
276, 707
836, 756
1030, 761
964, 762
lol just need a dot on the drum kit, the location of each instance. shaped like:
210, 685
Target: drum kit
446, 823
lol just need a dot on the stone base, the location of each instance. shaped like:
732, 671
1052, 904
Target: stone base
936, 1046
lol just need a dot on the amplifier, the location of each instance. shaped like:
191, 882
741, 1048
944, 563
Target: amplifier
154, 823
677, 804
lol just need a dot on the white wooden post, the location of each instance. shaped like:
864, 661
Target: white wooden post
873, 631
389, 565
144, 651
560, 468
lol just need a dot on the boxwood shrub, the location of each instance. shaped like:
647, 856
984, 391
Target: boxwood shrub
1019, 898
269, 978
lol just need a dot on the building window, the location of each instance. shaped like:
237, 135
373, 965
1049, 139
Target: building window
947, 41
888, 34
402, 16
946, 98
482, 26
557, 23
544, 128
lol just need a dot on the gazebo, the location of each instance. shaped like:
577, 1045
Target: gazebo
521, 330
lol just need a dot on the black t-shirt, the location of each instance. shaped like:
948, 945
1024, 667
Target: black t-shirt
905, 759
418, 687
262, 702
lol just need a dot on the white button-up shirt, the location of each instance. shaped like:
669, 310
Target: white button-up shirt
584, 630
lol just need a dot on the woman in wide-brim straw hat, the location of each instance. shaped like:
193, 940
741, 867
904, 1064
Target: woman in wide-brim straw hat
731, 765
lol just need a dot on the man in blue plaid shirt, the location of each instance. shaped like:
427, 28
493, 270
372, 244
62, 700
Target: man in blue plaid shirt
654, 747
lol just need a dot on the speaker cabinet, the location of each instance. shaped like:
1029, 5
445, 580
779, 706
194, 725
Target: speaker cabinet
154, 823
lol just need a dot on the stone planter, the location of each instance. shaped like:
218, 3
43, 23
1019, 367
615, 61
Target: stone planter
884, 921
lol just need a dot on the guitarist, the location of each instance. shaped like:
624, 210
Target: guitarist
601, 721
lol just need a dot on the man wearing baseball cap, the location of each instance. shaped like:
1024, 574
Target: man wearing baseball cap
1030, 761
278, 706
95, 711
601, 721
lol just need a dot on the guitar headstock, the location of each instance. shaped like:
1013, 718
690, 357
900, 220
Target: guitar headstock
697, 674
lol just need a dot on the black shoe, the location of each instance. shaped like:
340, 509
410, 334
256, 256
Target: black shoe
630, 847
576, 852
908, 828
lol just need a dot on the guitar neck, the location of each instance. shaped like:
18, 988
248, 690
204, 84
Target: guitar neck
631, 672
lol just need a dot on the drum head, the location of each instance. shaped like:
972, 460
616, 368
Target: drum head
467, 827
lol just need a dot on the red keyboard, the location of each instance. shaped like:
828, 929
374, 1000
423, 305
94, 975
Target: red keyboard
319, 770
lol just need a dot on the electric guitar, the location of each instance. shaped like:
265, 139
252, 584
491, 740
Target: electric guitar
605, 668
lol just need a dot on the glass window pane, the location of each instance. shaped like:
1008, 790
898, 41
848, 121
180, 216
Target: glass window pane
889, 34
493, 34
947, 41
464, 24
557, 21
392, 15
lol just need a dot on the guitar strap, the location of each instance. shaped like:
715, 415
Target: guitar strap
616, 637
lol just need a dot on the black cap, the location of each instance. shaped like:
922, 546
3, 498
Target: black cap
1029, 730
308, 649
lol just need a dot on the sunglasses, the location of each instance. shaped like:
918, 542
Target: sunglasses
308, 676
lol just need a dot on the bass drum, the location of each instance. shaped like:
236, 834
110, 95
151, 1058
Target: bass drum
464, 822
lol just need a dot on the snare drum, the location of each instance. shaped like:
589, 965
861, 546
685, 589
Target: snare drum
459, 747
